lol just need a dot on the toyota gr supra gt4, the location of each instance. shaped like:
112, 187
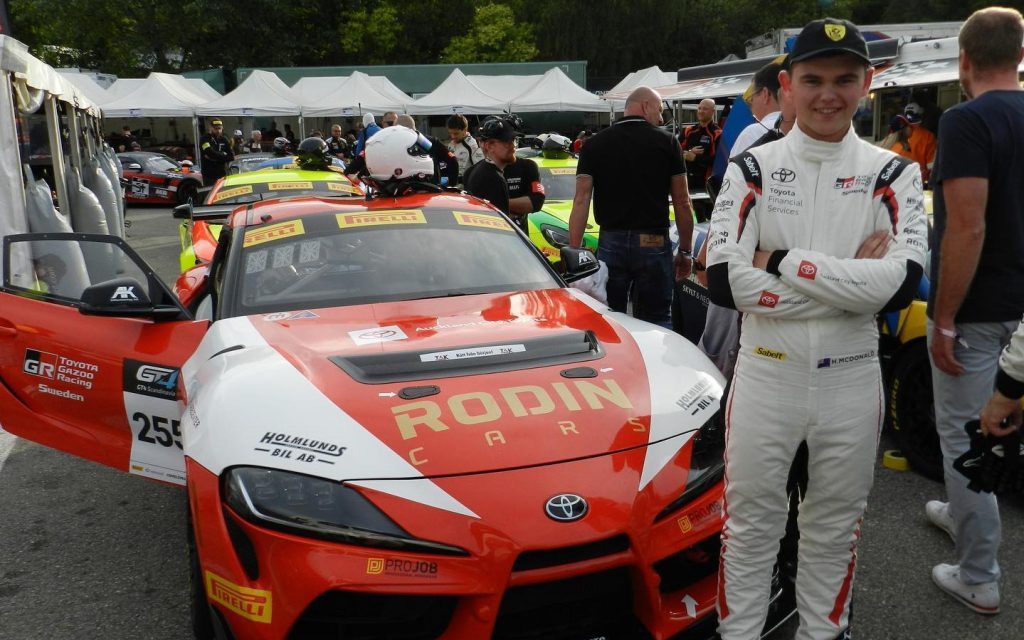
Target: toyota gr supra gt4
392, 419
157, 179
198, 233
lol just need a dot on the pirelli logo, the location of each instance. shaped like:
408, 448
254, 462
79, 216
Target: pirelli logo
224, 194
284, 186
252, 604
277, 231
480, 220
344, 188
379, 218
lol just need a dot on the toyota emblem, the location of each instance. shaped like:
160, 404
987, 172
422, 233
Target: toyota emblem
784, 175
566, 507
378, 333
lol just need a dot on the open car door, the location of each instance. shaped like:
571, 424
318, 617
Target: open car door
91, 345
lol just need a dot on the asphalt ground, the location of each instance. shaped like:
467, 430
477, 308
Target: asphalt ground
88, 552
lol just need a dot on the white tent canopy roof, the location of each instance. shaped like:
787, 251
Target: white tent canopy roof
200, 87
920, 63
123, 86
652, 77
92, 90
457, 94
30, 71
161, 95
555, 91
355, 95
261, 94
505, 87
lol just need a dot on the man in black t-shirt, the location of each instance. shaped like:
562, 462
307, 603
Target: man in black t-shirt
525, 191
977, 282
977, 294
216, 153
630, 169
487, 179
337, 145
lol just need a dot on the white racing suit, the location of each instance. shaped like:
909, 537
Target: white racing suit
808, 365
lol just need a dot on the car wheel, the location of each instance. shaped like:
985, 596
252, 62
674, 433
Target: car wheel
911, 410
188, 191
199, 606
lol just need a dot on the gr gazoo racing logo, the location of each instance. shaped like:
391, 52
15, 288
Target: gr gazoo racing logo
40, 363
768, 299
807, 270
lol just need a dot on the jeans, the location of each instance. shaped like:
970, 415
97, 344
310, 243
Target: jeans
958, 399
641, 264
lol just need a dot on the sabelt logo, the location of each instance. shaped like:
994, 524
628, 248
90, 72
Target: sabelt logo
807, 270
769, 353
277, 231
40, 363
480, 220
751, 166
768, 299
377, 218
890, 169
251, 604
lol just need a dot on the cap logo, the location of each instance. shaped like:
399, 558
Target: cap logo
835, 32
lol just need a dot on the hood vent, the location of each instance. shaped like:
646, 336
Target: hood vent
563, 348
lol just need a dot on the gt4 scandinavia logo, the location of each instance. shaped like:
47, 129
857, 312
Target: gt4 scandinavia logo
150, 379
784, 175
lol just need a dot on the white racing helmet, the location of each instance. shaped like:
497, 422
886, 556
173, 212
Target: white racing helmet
399, 153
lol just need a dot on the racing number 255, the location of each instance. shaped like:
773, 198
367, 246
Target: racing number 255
168, 432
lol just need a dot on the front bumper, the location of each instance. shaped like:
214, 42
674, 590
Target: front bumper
621, 581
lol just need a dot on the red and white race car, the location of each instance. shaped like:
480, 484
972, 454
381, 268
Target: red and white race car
393, 420
157, 179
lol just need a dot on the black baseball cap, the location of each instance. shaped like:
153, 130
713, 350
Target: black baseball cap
497, 129
829, 36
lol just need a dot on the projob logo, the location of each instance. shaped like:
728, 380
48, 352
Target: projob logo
40, 363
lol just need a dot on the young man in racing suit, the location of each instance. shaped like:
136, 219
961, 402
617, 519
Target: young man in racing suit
811, 236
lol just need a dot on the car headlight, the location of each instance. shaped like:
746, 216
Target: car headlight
305, 505
707, 465
556, 236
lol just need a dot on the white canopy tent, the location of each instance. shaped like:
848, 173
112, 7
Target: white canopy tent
124, 86
92, 90
161, 95
261, 94
652, 77
555, 91
505, 87
921, 63
200, 87
457, 94
354, 96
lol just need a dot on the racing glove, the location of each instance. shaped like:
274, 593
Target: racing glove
993, 464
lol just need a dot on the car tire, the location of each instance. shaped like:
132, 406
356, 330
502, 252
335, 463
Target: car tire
200, 616
188, 190
912, 411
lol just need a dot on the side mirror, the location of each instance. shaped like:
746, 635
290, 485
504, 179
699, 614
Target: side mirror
123, 297
578, 264
182, 211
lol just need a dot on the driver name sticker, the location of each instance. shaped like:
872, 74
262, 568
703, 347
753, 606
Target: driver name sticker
151, 408
474, 352
566, 171
377, 335
377, 218
283, 186
224, 194
340, 186
481, 220
277, 231
251, 604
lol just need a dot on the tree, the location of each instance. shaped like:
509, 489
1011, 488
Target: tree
371, 34
494, 36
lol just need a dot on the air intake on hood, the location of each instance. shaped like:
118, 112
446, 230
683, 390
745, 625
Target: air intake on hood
562, 348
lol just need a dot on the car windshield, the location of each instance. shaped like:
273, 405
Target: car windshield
162, 163
244, 193
378, 256
559, 182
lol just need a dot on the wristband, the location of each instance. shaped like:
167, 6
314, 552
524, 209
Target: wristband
952, 335
684, 252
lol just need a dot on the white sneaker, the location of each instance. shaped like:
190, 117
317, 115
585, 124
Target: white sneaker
938, 514
983, 598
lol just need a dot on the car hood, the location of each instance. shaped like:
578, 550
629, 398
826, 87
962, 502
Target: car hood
442, 387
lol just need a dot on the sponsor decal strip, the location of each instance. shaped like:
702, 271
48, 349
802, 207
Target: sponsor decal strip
480, 220
379, 218
251, 604
475, 352
283, 186
224, 194
259, 235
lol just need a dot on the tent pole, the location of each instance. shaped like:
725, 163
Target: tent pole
195, 139
302, 127
57, 154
